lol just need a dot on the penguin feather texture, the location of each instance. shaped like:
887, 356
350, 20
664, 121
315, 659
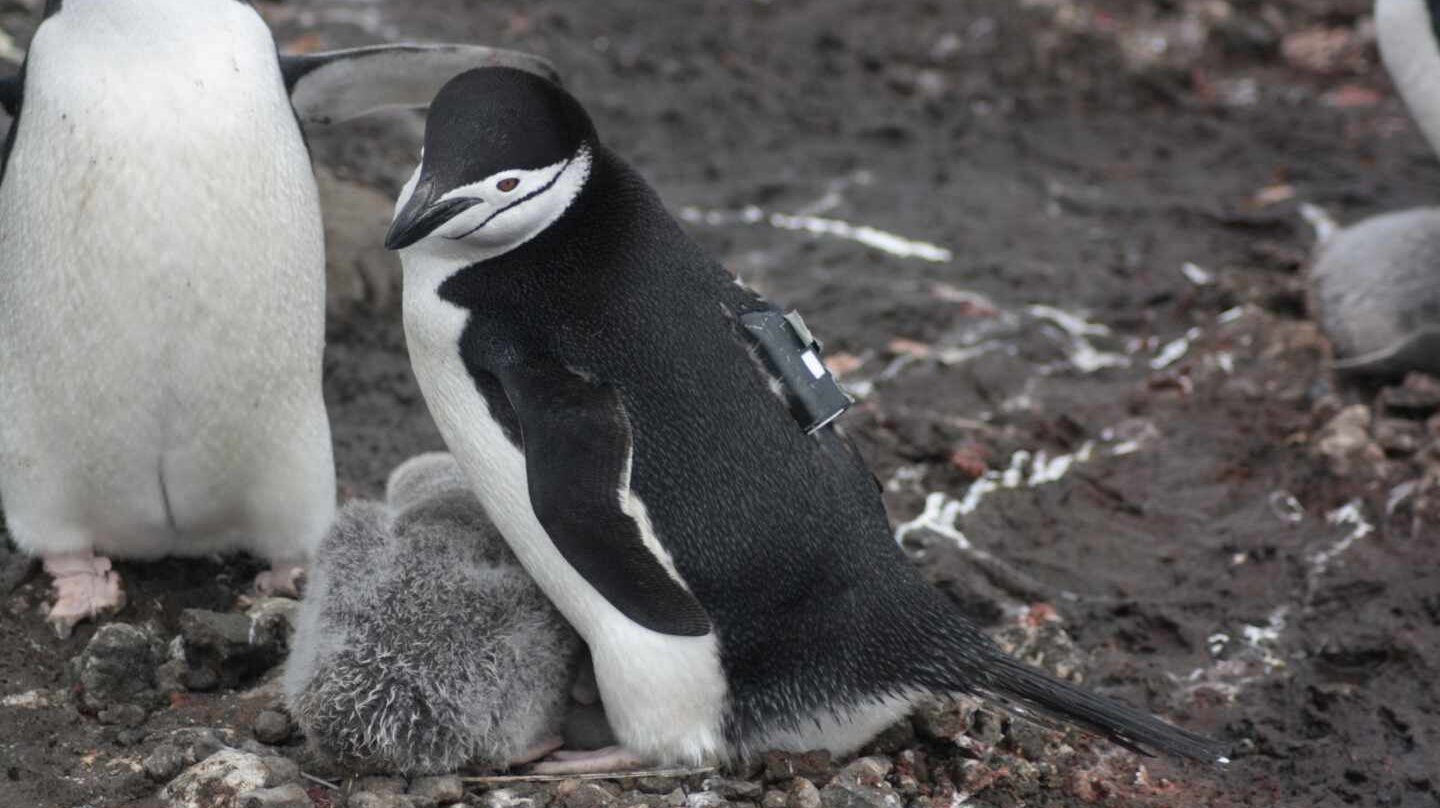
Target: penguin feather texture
422, 644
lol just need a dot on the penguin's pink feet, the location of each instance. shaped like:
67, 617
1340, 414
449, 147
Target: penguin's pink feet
611, 759
283, 579
540, 749
85, 587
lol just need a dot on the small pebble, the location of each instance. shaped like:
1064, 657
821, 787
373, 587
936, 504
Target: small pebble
443, 790
272, 727
286, 796
817, 766
370, 799
733, 789
583, 795
280, 770
163, 763
802, 793
125, 715
381, 785
705, 799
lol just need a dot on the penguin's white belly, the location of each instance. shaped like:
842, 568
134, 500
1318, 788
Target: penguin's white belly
161, 304
664, 695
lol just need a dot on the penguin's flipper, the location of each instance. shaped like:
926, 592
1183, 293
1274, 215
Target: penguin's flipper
10, 88
577, 454
340, 85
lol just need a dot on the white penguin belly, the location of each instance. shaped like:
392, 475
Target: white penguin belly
664, 695
161, 294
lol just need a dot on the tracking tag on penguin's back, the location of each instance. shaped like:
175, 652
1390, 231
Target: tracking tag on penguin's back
793, 355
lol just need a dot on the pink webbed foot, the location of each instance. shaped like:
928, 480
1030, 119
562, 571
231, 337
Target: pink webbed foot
281, 580
611, 759
540, 749
85, 587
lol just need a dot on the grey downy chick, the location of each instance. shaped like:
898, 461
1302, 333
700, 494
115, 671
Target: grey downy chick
422, 644
1376, 284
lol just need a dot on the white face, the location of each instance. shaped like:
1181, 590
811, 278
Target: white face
505, 210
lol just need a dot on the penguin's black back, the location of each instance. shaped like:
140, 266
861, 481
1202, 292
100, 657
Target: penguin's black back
781, 536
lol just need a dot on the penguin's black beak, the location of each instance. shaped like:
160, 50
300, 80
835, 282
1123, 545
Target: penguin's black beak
421, 215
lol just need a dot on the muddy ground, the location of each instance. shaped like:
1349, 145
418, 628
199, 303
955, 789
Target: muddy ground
1087, 372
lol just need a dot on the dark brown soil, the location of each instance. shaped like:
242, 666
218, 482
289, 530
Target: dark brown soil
1205, 548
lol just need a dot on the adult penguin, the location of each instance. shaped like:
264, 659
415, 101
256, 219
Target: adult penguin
162, 285
654, 441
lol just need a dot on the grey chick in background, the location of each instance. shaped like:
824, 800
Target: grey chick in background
422, 644
1376, 284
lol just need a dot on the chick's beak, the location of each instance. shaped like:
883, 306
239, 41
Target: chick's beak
421, 215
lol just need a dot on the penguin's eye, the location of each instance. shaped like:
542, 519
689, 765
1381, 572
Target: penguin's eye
508, 184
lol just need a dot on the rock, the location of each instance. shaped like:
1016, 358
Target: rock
170, 677
774, 798
574, 794
1345, 443
370, 799
215, 782
132, 736
164, 762
861, 784
651, 784
15, 566
280, 770
125, 715
508, 798
359, 271
816, 766
200, 680
1417, 398
866, 771
1039, 638
272, 727
287, 796
899, 736
274, 618
118, 666
943, 719
733, 789
381, 785
802, 794
198, 743
443, 790
705, 799
232, 646
1399, 437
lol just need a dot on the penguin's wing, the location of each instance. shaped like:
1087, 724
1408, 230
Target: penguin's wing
10, 90
340, 85
577, 455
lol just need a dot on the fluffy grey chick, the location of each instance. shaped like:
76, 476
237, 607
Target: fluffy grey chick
422, 645
1376, 284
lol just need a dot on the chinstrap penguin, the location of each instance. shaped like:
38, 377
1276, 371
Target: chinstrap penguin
1376, 284
422, 645
162, 285
730, 567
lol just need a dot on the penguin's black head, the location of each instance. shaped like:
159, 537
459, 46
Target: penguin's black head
506, 152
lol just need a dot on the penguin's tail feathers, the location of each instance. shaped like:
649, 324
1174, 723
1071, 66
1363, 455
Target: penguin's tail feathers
1036, 696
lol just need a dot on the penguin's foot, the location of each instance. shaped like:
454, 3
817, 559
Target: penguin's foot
540, 749
85, 587
614, 759
281, 580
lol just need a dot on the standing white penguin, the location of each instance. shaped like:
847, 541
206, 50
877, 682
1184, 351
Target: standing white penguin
652, 440
162, 285
1376, 284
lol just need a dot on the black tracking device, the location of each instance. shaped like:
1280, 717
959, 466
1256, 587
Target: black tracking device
793, 354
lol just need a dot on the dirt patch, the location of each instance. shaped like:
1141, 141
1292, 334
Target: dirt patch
1089, 377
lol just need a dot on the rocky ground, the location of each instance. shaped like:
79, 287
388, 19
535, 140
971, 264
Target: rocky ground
1057, 248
